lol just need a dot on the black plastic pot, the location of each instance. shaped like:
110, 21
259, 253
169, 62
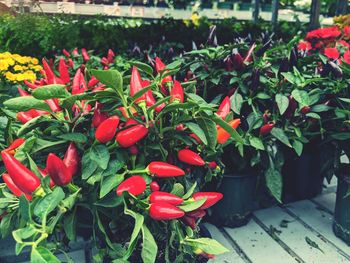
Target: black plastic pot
236, 207
341, 224
302, 177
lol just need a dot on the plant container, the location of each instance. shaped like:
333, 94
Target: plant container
341, 224
235, 209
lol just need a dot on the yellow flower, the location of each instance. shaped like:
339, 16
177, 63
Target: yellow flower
3, 65
34, 61
18, 68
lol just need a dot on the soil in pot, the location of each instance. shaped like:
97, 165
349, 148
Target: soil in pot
235, 209
341, 224
302, 178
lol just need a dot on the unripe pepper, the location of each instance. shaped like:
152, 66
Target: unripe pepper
198, 213
13, 187
98, 116
224, 108
85, 55
266, 129
135, 185
164, 170
25, 179
154, 186
164, 197
14, 145
165, 211
107, 129
57, 170
71, 159
63, 70
136, 84
132, 135
177, 92
211, 198
189, 221
223, 135
190, 157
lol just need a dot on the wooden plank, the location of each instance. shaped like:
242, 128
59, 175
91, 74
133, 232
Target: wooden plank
319, 220
231, 256
258, 245
327, 201
295, 234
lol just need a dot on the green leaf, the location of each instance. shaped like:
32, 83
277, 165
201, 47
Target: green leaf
298, 147
210, 131
143, 67
208, 245
301, 96
109, 183
69, 225
49, 202
256, 143
42, 255
282, 102
320, 108
89, 166
110, 78
50, 92
149, 246
274, 183
279, 134
192, 205
140, 93
101, 155
289, 77
313, 115
178, 189
197, 131
73, 137
236, 102
24, 208
137, 228
190, 191
26, 103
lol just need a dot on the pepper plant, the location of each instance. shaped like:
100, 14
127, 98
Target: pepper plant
120, 161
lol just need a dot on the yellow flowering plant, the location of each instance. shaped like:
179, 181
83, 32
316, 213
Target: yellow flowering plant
16, 68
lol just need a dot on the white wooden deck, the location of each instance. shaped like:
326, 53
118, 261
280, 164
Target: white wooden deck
289, 233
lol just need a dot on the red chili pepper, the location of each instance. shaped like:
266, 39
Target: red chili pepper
93, 82
248, 57
163, 170
71, 159
160, 66
98, 116
266, 116
70, 63
292, 106
44, 173
190, 157
154, 186
224, 108
164, 197
99, 88
136, 84
212, 165
22, 92
130, 122
57, 170
85, 55
104, 62
266, 129
199, 213
133, 150
25, 116
125, 112
25, 179
194, 136
132, 135
14, 145
30, 85
53, 104
63, 70
135, 185
75, 52
76, 82
180, 127
66, 53
110, 56
189, 221
13, 187
177, 92
211, 198
305, 109
48, 71
164, 211
107, 129
223, 135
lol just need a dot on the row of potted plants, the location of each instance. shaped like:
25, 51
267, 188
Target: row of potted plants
151, 141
